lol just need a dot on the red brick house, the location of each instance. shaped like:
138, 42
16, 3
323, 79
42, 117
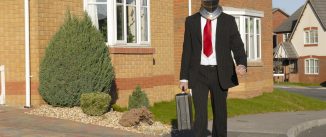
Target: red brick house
279, 16
306, 41
144, 39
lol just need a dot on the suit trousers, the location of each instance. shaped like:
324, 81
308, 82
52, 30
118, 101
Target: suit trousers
208, 81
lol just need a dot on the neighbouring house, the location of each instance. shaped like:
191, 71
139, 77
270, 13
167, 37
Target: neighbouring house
279, 16
144, 38
285, 64
304, 56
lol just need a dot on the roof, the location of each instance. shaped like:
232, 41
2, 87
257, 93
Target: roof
278, 9
319, 7
289, 24
289, 50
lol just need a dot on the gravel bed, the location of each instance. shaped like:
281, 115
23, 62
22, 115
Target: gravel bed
109, 119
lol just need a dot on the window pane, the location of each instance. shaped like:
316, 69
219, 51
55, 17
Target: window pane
311, 66
257, 26
120, 23
247, 45
307, 66
312, 35
119, 1
98, 15
247, 25
258, 46
132, 2
131, 24
101, 0
237, 20
102, 20
316, 36
252, 25
252, 47
252, 41
306, 37
316, 66
144, 3
144, 24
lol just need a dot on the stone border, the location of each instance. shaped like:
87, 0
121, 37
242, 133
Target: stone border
296, 130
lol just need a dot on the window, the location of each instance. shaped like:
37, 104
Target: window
250, 30
311, 36
249, 25
293, 67
129, 18
311, 66
286, 37
97, 10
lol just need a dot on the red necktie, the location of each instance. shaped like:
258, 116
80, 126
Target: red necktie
208, 39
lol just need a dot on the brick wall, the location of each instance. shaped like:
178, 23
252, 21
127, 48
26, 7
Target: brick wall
279, 38
259, 78
45, 18
12, 47
153, 71
156, 69
307, 78
278, 19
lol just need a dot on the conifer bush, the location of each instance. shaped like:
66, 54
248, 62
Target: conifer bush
138, 99
95, 103
76, 61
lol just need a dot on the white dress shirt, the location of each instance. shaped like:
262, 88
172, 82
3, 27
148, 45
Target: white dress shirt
211, 60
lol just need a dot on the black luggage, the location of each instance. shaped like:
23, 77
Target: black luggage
184, 111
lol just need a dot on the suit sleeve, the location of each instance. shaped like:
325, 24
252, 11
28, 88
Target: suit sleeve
186, 52
237, 45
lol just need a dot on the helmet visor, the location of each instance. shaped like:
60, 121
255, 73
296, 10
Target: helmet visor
209, 4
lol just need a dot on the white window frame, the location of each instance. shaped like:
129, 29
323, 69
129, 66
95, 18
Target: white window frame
244, 14
112, 23
242, 28
286, 37
310, 69
310, 31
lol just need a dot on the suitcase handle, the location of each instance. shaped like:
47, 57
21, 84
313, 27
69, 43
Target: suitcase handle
183, 90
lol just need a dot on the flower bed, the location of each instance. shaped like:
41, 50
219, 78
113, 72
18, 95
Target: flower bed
109, 119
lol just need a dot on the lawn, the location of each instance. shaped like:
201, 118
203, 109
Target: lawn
298, 84
277, 101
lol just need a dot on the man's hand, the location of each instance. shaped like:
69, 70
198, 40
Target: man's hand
241, 70
183, 86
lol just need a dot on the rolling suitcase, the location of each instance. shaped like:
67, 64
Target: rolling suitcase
184, 111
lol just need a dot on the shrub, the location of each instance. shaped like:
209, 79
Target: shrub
76, 61
117, 108
95, 104
138, 99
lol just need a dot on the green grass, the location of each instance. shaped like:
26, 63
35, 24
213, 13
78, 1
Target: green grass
298, 84
277, 101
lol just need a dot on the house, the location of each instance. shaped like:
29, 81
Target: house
144, 38
279, 16
307, 41
285, 64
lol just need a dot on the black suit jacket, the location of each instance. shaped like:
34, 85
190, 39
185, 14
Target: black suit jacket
227, 39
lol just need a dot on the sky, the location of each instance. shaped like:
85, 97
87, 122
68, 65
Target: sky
289, 6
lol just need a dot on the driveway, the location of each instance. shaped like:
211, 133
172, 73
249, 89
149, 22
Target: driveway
15, 123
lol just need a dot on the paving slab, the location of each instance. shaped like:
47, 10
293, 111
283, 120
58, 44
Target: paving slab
15, 123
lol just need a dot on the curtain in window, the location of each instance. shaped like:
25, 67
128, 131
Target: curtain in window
92, 12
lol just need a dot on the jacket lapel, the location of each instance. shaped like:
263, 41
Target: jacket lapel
197, 32
198, 27
218, 35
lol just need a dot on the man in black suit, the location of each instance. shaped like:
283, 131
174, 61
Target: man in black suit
207, 64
